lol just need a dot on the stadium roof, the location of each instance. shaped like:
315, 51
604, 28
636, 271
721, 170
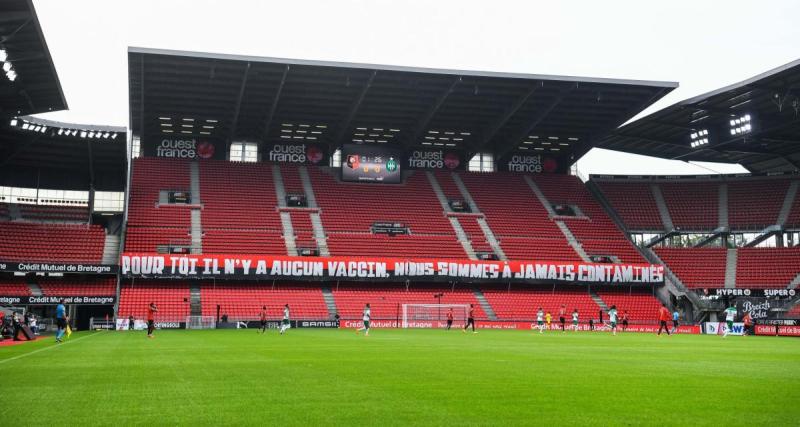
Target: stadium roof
36, 88
31, 144
771, 99
236, 98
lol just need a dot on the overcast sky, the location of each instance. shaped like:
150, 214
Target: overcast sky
703, 45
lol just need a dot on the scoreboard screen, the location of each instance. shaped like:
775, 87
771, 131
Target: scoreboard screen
370, 163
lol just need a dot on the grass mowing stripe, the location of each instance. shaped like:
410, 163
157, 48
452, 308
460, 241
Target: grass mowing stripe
20, 356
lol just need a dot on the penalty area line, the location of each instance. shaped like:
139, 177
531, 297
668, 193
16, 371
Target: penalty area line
20, 356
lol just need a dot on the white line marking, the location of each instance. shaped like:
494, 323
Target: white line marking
47, 348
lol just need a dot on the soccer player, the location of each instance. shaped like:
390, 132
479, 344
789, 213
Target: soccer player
548, 318
612, 317
675, 323
285, 323
365, 317
449, 318
561, 313
151, 325
663, 318
730, 315
540, 320
624, 320
748, 323
263, 316
591, 324
575, 319
470, 320
61, 320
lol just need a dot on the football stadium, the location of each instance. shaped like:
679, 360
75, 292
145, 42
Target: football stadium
309, 242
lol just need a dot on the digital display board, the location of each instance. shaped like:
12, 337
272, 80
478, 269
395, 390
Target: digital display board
371, 163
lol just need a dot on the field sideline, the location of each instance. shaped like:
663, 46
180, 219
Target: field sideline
400, 377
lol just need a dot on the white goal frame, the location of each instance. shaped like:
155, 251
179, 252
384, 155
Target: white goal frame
201, 322
413, 313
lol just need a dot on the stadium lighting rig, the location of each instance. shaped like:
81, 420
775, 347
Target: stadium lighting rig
741, 125
8, 67
62, 131
699, 138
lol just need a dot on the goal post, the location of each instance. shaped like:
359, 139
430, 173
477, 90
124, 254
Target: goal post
417, 314
201, 322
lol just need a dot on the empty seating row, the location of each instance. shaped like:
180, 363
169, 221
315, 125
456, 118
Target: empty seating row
22, 241
243, 301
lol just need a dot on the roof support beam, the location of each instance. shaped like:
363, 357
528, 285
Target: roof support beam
492, 130
426, 120
238, 107
519, 136
274, 106
353, 110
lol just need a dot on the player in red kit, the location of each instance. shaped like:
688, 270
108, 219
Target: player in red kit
561, 313
449, 319
263, 319
151, 312
470, 320
663, 318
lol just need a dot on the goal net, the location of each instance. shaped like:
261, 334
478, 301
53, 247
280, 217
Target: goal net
432, 315
200, 322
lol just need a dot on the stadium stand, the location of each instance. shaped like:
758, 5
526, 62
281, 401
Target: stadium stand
147, 239
303, 230
66, 286
767, 267
14, 286
599, 235
386, 299
523, 303
696, 267
755, 203
516, 217
237, 196
348, 210
692, 206
642, 306
28, 242
53, 213
243, 301
151, 176
172, 299
635, 204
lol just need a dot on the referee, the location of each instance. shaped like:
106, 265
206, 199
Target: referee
61, 320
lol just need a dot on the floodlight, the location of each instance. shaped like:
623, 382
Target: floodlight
698, 138
741, 125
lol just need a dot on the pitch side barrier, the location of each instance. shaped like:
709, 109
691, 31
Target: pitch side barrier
509, 325
134, 265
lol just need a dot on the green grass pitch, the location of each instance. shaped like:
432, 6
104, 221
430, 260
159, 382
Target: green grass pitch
401, 377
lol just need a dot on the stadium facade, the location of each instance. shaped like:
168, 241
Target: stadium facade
244, 181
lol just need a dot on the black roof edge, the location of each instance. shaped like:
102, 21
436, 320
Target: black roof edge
399, 68
38, 27
55, 124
